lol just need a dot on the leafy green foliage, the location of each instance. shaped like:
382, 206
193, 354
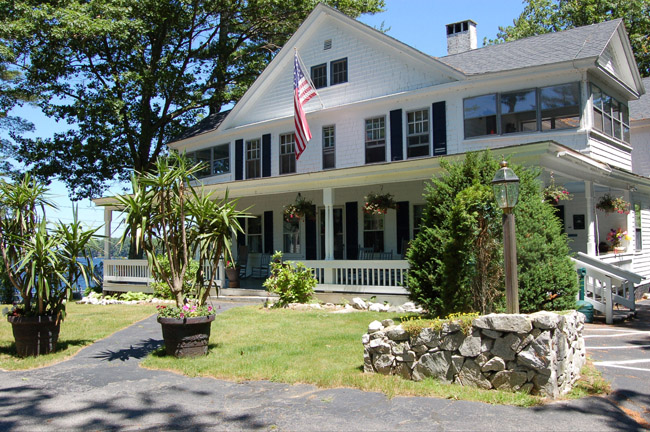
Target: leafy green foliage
166, 210
545, 16
293, 282
42, 264
161, 288
133, 74
456, 260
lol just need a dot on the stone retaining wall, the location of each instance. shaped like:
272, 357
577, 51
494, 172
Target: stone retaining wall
541, 353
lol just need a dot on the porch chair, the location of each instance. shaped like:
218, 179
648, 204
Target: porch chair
242, 260
365, 253
262, 270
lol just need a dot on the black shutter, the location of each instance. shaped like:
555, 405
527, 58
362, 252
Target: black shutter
351, 230
266, 155
310, 236
402, 224
241, 236
268, 232
396, 147
439, 128
239, 159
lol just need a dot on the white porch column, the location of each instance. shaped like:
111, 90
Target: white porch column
590, 219
108, 217
328, 201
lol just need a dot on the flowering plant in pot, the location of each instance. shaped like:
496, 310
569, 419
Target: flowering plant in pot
43, 262
301, 208
616, 236
611, 204
378, 204
166, 209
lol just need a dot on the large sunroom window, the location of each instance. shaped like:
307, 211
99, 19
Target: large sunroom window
560, 106
611, 116
519, 111
480, 115
216, 159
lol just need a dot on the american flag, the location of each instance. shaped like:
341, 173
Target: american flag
302, 92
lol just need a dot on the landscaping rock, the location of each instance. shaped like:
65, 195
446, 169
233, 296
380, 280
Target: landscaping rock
471, 375
375, 326
471, 346
383, 363
508, 380
432, 365
378, 307
358, 303
515, 323
452, 341
494, 364
396, 333
505, 347
428, 337
491, 333
387, 322
544, 320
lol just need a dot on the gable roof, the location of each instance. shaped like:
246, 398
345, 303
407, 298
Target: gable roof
573, 44
640, 109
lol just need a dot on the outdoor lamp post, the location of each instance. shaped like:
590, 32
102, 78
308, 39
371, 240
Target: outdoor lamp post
506, 191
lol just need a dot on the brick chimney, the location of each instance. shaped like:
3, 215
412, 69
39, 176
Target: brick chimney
461, 37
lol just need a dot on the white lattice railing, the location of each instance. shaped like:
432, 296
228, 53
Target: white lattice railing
607, 284
360, 276
137, 271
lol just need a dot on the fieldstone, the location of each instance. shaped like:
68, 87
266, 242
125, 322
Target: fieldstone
506, 346
428, 337
524, 343
491, 333
365, 339
508, 380
375, 326
383, 363
411, 307
481, 359
419, 349
529, 375
471, 346
408, 357
433, 365
403, 370
358, 303
398, 348
376, 335
530, 358
545, 320
471, 375
515, 323
456, 364
396, 333
526, 388
387, 322
452, 341
486, 344
494, 364
451, 327
378, 307
367, 362
378, 346
546, 385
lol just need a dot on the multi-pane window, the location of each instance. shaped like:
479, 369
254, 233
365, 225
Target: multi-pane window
376, 140
545, 108
417, 136
519, 111
638, 237
480, 115
253, 159
560, 106
373, 232
287, 153
254, 234
329, 146
611, 116
339, 71
216, 159
319, 75
291, 236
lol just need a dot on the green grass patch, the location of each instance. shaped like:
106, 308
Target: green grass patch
591, 383
311, 347
84, 324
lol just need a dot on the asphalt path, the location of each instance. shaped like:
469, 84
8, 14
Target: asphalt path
622, 353
103, 388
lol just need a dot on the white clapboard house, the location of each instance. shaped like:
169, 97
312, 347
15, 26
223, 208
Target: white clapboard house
390, 114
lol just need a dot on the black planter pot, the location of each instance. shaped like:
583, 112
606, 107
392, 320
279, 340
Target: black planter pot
35, 335
233, 277
186, 337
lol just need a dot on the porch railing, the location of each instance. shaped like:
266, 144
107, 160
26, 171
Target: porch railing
362, 276
607, 285
130, 271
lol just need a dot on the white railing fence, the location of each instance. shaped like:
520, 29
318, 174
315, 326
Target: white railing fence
606, 285
362, 276
138, 272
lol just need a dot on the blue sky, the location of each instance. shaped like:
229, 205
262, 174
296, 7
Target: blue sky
418, 23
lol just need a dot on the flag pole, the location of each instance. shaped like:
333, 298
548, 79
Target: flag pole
308, 77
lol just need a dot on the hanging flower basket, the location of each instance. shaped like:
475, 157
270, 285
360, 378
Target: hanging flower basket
610, 204
553, 193
378, 204
301, 208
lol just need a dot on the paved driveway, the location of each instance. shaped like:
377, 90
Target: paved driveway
622, 353
103, 388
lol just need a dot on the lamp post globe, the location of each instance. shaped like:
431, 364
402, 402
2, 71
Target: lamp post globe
505, 185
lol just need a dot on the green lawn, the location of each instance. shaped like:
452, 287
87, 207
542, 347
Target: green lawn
308, 347
84, 324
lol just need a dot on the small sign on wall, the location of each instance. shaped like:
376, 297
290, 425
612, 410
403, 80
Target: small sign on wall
579, 222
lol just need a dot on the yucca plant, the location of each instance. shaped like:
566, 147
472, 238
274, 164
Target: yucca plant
166, 209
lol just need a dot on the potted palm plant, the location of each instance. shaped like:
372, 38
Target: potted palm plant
43, 263
167, 210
